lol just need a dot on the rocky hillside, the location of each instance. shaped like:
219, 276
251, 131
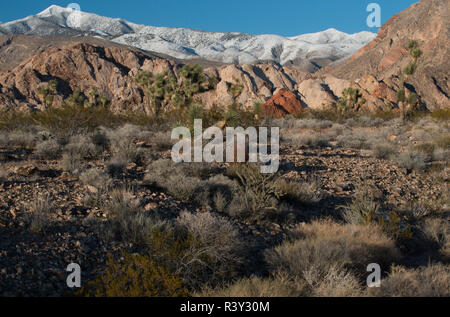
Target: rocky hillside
29, 62
376, 66
113, 68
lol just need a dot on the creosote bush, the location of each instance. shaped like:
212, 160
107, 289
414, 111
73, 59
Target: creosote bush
430, 281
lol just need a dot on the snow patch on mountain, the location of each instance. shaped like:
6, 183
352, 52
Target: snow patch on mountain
184, 43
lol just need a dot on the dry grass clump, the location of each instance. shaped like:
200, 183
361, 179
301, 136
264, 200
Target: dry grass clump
3, 175
280, 285
50, 149
330, 257
83, 146
71, 163
219, 244
438, 230
4, 139
128, 221
429, 281
384, 150
311, 140
39, 218
363, 242
353, 139
410, 160
116, 167
337, 282
97, 178
306, 193
21, 139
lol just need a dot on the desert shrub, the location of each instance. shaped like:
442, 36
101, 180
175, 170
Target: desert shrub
323, 246
364, 121
72, 120
3, 175
220, 201
97, 178
21, 139
260, 191
128, 221
100, 139
366, 210
312, 124
162, 141
280, 285
335, 283
218, 241
122, 144
50, 149
441, 114
71, 163
443, 142
135, 276
426, 148
310, 140
182, 187
430, 281
237, 207
384, 150
441, 155
410, 160
116, 167
159, 170
438, 230
4, 139
217, 191
39, 219
82, 146
303, 193
353, 139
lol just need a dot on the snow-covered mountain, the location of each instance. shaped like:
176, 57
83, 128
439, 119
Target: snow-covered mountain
239, 48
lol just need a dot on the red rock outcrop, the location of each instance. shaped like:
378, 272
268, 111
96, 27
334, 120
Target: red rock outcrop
284, 102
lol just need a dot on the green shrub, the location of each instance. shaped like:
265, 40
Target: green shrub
135, 276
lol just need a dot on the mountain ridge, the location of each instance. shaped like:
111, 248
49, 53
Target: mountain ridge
232, 48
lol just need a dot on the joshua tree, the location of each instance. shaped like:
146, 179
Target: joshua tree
48, 93
164, 89
352, 99
407, 101
76, 99
235, 89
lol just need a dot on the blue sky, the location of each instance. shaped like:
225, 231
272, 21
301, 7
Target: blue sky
283, 17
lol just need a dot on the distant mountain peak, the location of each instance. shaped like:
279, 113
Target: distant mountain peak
239, 48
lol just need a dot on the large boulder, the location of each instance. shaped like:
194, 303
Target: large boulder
284, 102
